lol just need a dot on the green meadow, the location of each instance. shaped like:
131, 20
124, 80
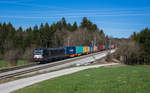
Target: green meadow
122, 79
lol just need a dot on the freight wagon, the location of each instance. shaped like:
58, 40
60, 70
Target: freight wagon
106, 47
112, 46
70, 51
95, 48
86, 49
101, 47
79, 50
91, 49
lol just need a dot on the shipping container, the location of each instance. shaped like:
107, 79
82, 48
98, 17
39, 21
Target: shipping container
112, 46
100, 47
79, 49
91, 49
70, 50
106, 46
95, 48
86, 49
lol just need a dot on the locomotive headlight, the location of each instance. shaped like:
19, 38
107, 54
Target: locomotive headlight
38, 56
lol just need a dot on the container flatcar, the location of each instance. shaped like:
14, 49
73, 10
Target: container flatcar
112, 46
70, 51
79, 50
91, 49
86, 49
100, 47
95, 48
106, 46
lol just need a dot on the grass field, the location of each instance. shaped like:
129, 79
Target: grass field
124, 79
4, 64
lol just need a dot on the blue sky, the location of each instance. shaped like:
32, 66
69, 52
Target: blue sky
118, 18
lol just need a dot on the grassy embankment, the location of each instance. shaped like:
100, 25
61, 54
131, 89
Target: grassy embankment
4, 64
124, 79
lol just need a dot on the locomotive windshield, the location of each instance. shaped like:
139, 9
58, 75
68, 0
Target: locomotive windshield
38, 51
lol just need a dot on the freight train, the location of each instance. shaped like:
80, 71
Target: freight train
43, 55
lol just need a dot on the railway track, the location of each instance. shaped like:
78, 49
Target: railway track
17, 67
28, 71
34, 68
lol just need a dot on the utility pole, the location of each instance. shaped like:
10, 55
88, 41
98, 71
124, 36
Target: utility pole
109, 43
68, 41
94, 44
95, 41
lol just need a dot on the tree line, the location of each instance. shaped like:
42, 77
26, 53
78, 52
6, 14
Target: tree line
18, 43
136, 49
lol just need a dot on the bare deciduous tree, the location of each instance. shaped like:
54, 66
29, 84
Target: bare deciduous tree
12, 57
28, 54
84, 37
129, 52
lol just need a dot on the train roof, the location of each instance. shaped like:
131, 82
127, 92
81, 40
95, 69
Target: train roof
49, 48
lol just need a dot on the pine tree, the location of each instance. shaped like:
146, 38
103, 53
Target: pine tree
75, 26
